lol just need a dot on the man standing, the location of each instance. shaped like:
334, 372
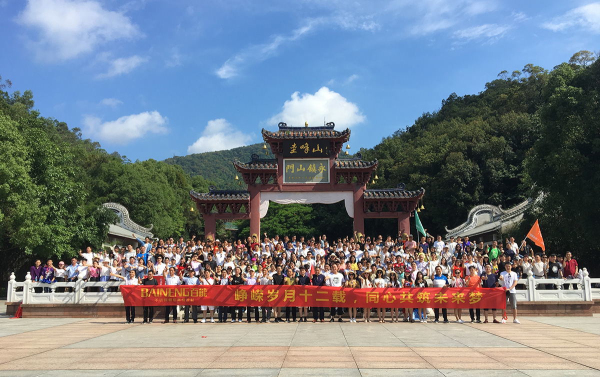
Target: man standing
171, 279
128, 280
336, 279
489, 280
440, 281
509, 281
191, 279
149, 310
303, 280
278, 279
319, 281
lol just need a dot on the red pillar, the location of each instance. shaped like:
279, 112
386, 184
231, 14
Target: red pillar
210, 226
404, 222
254, 211
359, 214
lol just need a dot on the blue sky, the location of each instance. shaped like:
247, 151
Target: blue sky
156, 79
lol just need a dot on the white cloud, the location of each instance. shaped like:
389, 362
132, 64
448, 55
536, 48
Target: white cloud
68, 29
122, 66
258, 53
126, 128
586, 17
111, 102
519, 16
218, 135
325, 105
174, 59
436, 15
488, 31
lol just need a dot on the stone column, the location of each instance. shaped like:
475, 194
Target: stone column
210, 226
404, 222
359, 214
254, 211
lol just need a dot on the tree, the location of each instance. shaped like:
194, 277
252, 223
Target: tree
582, 58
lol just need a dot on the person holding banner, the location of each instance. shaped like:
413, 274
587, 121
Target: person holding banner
251, 280
191, 279
129, 280
303, 280
236, 279
365, 282
266, 310
489, 280
149, 310
393, 283
474, 281
171, 279
352, 283
380, 282
319, 281
223, 310
207, 280
440, 281
290, 279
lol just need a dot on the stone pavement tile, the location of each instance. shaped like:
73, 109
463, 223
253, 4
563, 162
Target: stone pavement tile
592, 362
458, 364
184, 362
317, 359
405, 372
61, 373
481, 372
393, 364
302, 351
560, 373
409, 359
534, 364
318, 372
382, 349
227, 363
321, 364
7, 355
161, 373
256, 372
384, 353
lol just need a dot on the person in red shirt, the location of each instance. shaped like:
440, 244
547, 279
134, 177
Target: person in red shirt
570, 269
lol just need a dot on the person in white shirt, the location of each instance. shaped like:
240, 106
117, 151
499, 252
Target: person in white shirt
207, 280
509, 281
439, 245
335, 279
130, 279
88, 255
171, 279
452, 245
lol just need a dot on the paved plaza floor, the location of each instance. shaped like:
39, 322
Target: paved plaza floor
557, 346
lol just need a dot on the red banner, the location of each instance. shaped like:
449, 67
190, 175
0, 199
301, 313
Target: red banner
298, 295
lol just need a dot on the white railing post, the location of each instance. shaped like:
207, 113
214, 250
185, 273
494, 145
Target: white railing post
10, 291
77, 291
586, 285
27, 289
531, 286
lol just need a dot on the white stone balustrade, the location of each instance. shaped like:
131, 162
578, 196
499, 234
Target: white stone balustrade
81, 292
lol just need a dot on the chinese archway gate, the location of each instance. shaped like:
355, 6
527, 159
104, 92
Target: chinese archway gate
306, 169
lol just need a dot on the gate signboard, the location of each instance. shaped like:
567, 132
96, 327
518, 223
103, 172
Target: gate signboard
306, 170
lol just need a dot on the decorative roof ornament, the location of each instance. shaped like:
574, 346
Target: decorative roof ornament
125, 221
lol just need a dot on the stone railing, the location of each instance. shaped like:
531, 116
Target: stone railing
82, 292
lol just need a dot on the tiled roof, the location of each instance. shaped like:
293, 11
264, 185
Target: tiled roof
396, 193
354, 164
307, 133
221, 195
257, 164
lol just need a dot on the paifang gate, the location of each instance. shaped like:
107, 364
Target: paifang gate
306, 169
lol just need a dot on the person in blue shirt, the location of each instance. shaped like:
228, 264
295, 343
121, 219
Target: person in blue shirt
71, 270
440, 281
191, 279
146, 244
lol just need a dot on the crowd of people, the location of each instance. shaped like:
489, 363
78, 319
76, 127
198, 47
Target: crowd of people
356, 262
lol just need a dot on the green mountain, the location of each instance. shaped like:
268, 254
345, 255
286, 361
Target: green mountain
217, 167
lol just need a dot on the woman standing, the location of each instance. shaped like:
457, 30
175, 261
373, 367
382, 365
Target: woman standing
458, 282
207, 280
365, 282
352, 283
408, 312
290, 279
394, 283
473, 281
421, 283
129, 280
380, 282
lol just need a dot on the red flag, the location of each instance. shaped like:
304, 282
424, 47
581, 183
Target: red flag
536, 235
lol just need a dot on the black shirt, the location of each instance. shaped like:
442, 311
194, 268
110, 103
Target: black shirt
303, 280
147, 281
554, 270
278, 279
236, 280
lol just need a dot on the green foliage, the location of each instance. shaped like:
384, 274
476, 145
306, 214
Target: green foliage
217, 167
564, 164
